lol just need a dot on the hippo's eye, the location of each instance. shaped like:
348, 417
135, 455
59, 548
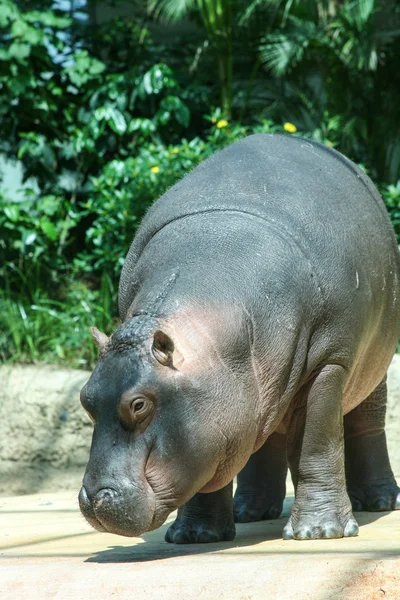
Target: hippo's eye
136, 410
137, 405
140, 409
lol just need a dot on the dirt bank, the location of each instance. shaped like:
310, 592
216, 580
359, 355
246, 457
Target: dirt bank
44, 432
45, 435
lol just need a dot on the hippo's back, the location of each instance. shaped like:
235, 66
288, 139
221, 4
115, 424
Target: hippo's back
312, 194
288, 180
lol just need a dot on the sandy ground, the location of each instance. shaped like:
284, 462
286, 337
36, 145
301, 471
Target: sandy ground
48, 552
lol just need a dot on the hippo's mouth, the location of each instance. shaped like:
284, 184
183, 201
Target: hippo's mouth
114, 512
129, 510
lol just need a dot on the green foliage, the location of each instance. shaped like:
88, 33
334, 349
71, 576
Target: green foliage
221, 24
340, 58
84, 69
105, 120
391, 196
50, 321
79, 127
36, 327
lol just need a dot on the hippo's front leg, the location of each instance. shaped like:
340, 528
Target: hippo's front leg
205, 518
322, 507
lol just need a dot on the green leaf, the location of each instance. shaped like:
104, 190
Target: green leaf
157, 78
364, 8
31, 35
43, 106
19, 50
9, 12
18, 28
30, 238
12, 212
48, 205
282, 51
48, 18
113, 117
84, 69
49, 229
116, 120
173, 104
144, 125
60, 351
171, 10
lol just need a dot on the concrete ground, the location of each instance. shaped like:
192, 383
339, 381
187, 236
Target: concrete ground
48, 552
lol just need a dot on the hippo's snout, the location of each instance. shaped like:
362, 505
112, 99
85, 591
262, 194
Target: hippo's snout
120, 512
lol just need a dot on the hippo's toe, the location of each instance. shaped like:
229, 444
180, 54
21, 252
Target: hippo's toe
312, 527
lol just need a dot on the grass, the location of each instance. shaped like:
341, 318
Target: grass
37, 328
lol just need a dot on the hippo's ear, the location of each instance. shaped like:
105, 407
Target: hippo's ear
99, 338
162, 348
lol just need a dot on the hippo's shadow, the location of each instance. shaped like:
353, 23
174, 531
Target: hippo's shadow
154, 547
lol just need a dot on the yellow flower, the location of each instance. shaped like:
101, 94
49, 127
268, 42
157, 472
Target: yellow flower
222, 123
330, 144
155, 169
290, 127
175, 151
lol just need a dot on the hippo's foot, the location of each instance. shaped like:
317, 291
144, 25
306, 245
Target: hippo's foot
370, 481
205, 518
378, 497
320, 525
256, 505
193, 530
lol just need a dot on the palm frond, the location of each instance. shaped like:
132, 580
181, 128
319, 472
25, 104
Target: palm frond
282, 51
250, 10
363, 10
170, 10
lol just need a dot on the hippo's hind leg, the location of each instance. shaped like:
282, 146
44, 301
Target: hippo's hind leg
261, 485
205, 518
370, 482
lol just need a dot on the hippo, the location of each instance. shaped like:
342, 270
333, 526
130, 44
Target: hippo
260, 307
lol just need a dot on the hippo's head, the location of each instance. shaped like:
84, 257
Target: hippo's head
171, 418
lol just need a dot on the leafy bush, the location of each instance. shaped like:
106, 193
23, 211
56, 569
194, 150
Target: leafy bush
105, 127
51, 321
340, 58
391, 196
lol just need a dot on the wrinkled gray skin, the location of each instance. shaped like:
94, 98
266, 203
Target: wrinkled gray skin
260, 304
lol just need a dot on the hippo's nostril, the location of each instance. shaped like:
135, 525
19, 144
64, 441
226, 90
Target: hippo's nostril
87, 509
105, 495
